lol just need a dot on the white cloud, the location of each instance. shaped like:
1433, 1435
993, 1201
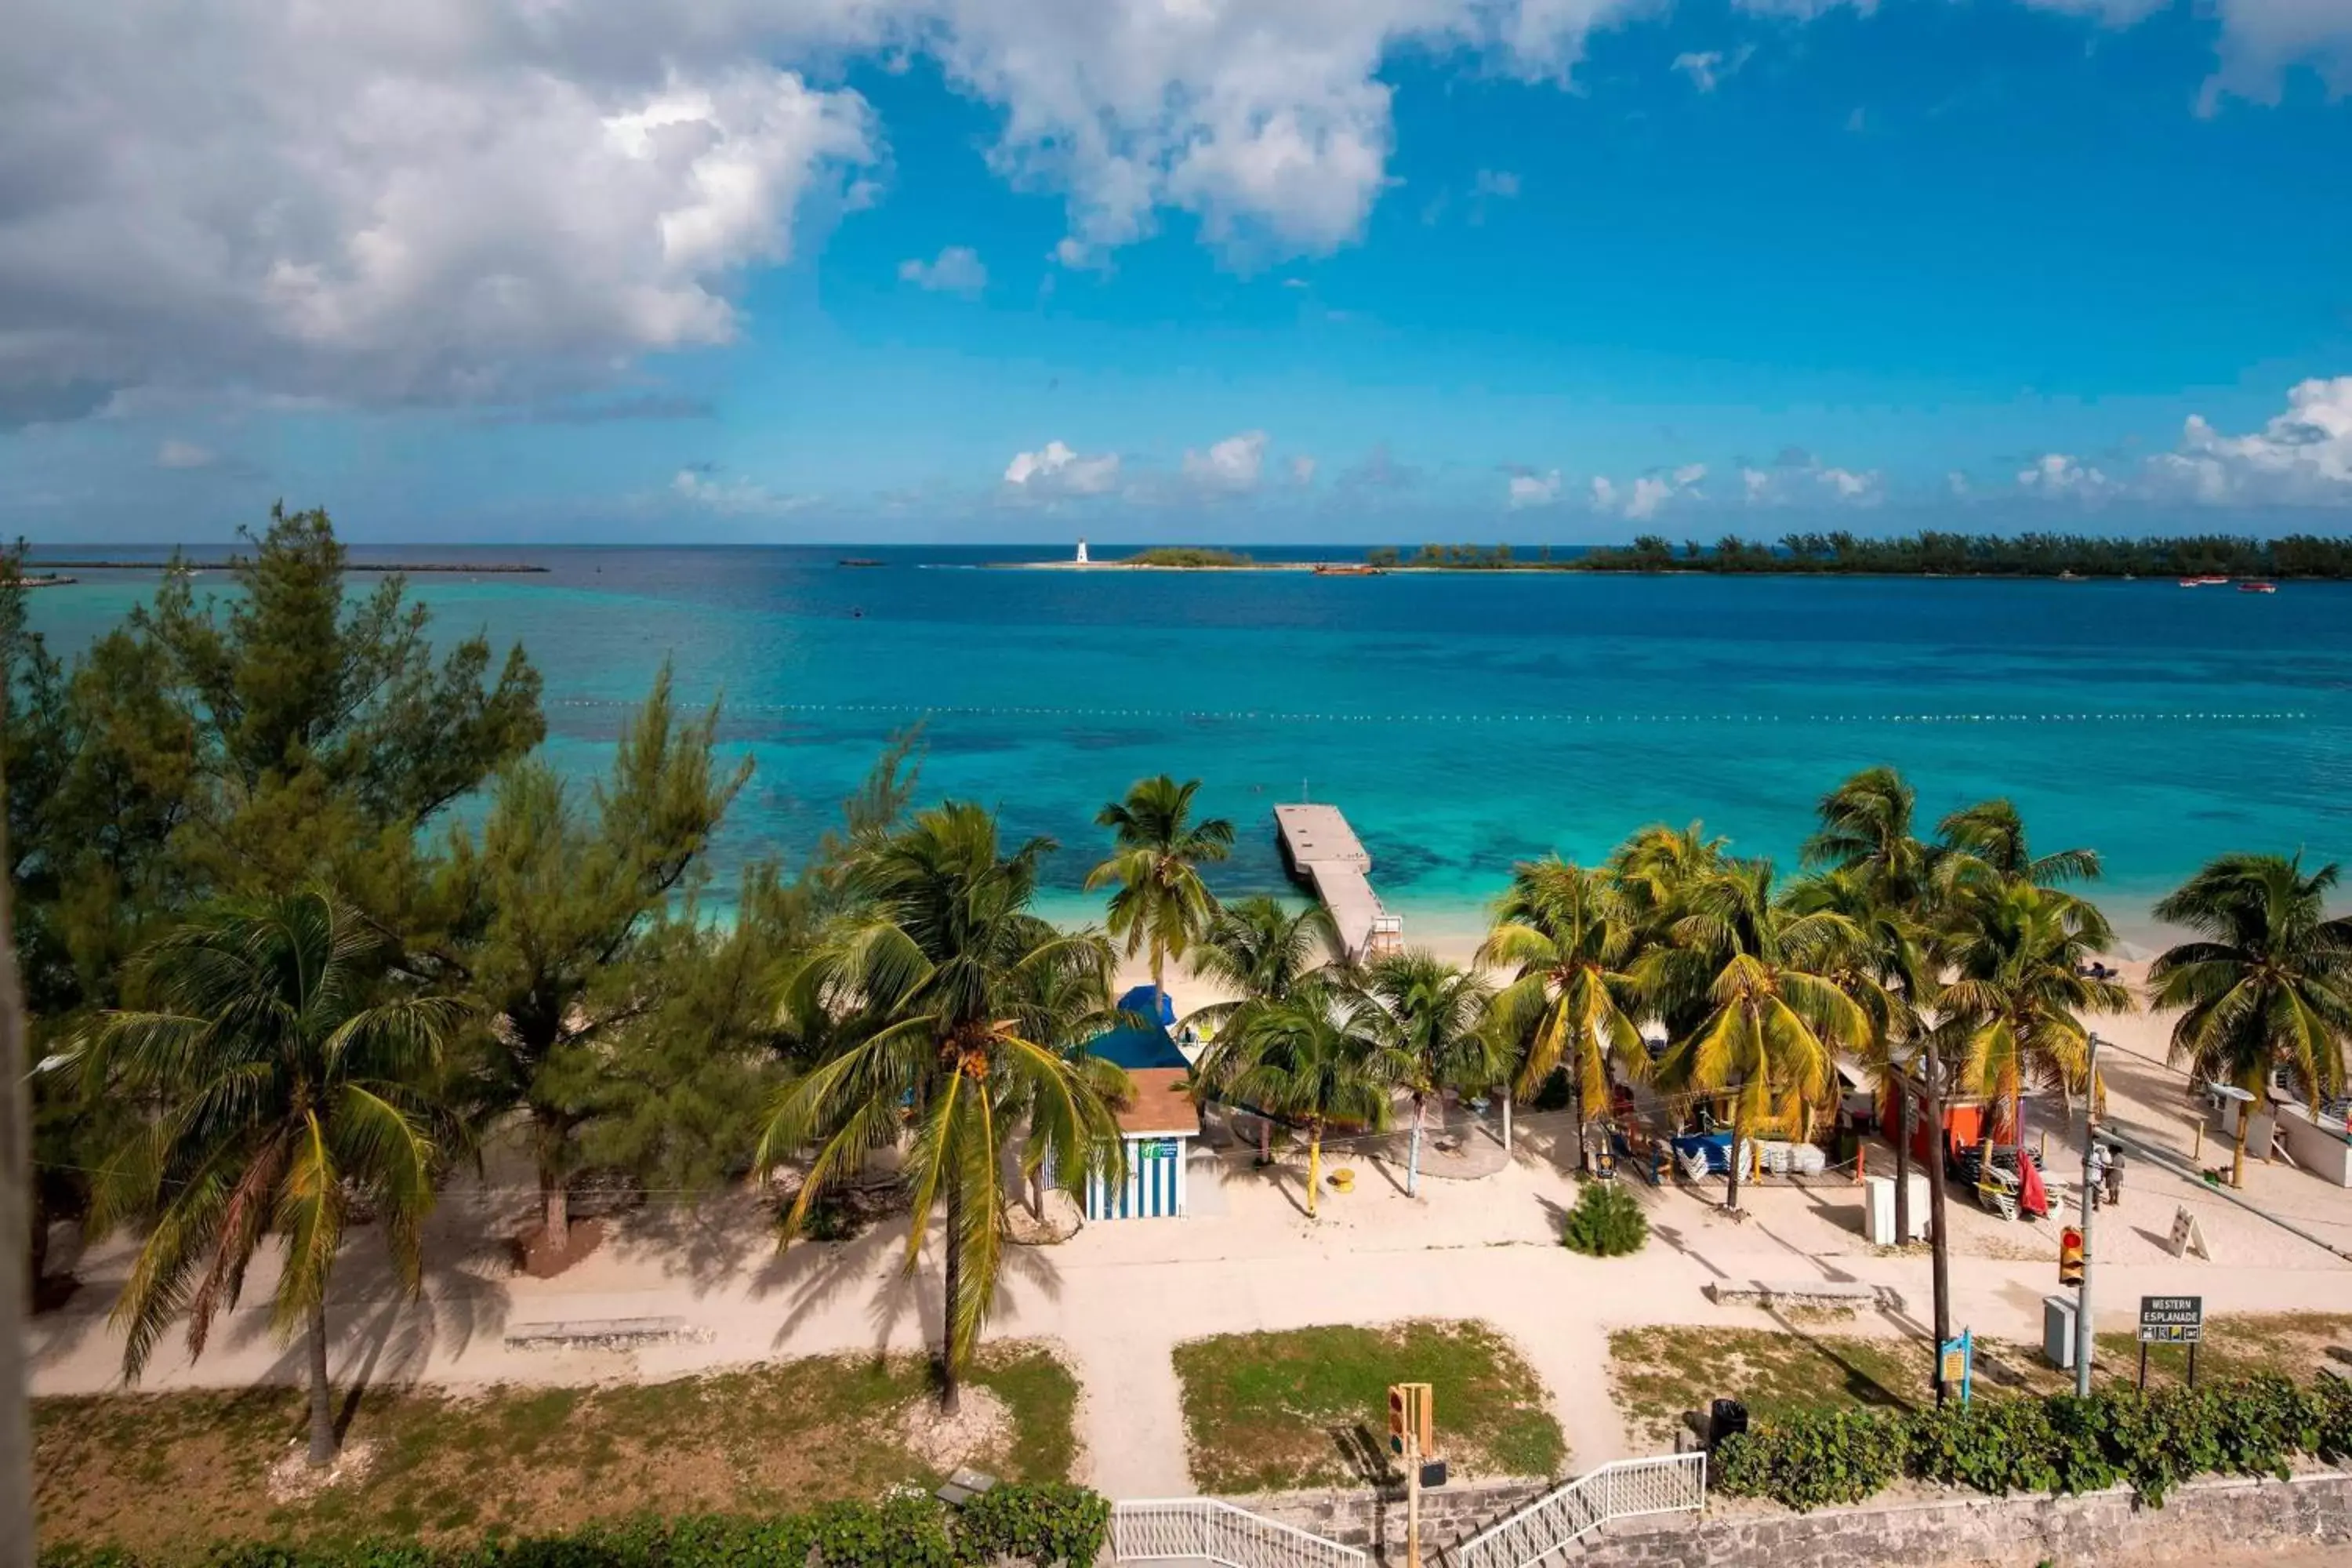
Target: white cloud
736, 496
175, 453
1802, 480
1054, 469
1302, 469
2301, 456
1230, 467
511, 200
445, 202
958, 270
1700, 68
1499, 184
1644, 496
2061, 474
1530, 488
2259, 39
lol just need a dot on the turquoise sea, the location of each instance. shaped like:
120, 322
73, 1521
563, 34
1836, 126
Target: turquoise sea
1462, 720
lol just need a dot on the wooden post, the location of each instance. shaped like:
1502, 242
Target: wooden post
1412, 1493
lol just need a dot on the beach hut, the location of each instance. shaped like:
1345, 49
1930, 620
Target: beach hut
1158, 1123
1156, 1127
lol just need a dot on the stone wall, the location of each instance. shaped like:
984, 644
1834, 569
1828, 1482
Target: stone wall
1374, 1521
2100, 1529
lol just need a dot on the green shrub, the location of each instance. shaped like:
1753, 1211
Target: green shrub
1811, 1459
1607, 1222
1052, 1526
2152, 1442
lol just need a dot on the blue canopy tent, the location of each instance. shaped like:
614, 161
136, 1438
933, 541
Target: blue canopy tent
1160, 1122
1138, 1046
1138, 1001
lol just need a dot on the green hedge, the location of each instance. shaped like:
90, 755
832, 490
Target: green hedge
1049, 1526
2151, 1442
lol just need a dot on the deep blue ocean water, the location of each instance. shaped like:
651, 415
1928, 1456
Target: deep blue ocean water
1462, 720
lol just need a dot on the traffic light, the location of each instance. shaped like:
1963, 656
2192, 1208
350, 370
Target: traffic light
1397, 1423
2070, 1256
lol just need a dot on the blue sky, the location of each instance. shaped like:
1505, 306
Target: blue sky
1545, 269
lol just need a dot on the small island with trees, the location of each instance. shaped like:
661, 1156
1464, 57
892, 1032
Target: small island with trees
1928, 553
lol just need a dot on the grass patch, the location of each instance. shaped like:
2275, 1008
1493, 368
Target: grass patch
170, 1473
1657, 1374
1309, 1407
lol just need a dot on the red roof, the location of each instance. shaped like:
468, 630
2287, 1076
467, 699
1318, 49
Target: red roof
1160, 1104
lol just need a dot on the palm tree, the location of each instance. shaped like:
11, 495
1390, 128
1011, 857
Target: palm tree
290, 1084
1317, 1057
1990, 835
2012, 1007
1567, 934
1866, 828
1656, 868
960, 995
1775, 1022
1878, 874
1433, 1016
1261, 950
1161, 905
2268, 984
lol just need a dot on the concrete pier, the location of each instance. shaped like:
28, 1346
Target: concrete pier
1322, 850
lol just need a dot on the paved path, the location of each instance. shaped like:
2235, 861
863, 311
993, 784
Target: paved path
1119, 1297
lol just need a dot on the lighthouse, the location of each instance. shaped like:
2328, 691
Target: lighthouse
1082, 552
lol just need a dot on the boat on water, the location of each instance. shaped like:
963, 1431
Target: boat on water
2257, 587
2203, 581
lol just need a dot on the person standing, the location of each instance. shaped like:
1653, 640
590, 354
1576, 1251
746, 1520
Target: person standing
2114, 1173
2101, 1169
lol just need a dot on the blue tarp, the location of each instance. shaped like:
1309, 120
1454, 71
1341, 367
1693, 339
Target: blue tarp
1138, 1001
1136, 1046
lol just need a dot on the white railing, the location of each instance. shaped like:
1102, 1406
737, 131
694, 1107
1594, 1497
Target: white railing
1555, 1521
1203, 1529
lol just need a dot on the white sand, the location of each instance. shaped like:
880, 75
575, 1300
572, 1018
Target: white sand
1119, 1296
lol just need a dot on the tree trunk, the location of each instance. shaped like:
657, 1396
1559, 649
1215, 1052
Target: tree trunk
1506, 1121
322, 1403
1576, 1098
1265, 1139
1903, 1169
1938, 1235
37, 1253
550, 1131
2017, 1128
1314, 1164
2237, 1157
1739, 1141
951, 1375
16, 1548
555, 1199
1413, 1155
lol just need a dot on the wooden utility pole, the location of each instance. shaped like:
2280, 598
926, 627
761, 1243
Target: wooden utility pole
1941, 1240
17, 1549
2082, 1339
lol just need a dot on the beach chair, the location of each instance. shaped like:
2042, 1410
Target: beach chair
1997, 1192
1694, 1164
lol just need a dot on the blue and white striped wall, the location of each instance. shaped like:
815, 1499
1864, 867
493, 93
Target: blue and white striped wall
1154, 1188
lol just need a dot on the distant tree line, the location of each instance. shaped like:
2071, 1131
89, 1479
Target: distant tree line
1931, 553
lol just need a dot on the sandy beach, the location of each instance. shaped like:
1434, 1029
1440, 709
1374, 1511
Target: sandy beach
1482, 1241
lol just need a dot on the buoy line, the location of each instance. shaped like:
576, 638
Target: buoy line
917, 710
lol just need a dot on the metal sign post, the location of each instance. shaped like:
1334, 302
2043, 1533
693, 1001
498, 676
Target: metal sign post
2170, 1320
1956, 1363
